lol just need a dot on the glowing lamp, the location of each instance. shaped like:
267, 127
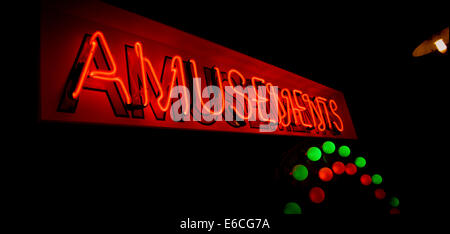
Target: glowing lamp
317, 195
360, 162
394, 202
314, 154
380, 194
437, 42
292, 208
441, 46
300, 172
328, 147
350, 169
366, 180
325, 174
338, 168
377, 179
344, 151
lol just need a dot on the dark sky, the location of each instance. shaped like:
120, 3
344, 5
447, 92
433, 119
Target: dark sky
364, 51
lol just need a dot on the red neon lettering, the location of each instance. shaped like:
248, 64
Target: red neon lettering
317, 108
219, 81
322, 100
100, 75
295, 111
259, 99
281, 110
314, 112
140, 55
287, 98
199, 95
333, 108
230, 81
174, 69
299, 108
164, 106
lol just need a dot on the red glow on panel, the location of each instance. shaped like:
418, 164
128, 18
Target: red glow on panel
100, 75
338, 168
119, 81
325, 174
366, 179
350, 169
139, 80
317, 195
380, 193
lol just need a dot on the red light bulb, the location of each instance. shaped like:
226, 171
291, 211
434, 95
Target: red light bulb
350, 169
325, 174
317, 195
366, 179
394, 211
338, 168
380, 193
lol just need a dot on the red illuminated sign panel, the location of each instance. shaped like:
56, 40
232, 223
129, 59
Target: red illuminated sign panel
103, 65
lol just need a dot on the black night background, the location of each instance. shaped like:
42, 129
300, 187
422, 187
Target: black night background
152, 178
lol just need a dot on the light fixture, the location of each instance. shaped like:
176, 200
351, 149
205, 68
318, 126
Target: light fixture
441, 46
437, 42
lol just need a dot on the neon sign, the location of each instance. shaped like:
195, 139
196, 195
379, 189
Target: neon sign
156, 80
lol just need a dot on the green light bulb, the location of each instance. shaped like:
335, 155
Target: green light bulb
292, 208
300, 172
360, 162
314, 154
344, 151
328, 147
377, 179
394, 202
